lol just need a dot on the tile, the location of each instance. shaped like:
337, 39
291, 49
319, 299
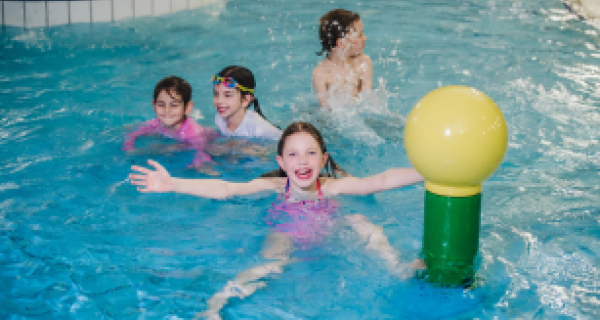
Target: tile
79, 11
162, 7
14, 13
122, 9
196, 4
178, 5
35, 14
142, 8
58, 13
102, 11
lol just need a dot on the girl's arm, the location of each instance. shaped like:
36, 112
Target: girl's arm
161, 181
147, 127
366, 81
318, 78
390, 179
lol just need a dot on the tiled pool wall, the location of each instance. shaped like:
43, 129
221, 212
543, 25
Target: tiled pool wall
34, 14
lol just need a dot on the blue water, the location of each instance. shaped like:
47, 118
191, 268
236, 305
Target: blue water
77, 241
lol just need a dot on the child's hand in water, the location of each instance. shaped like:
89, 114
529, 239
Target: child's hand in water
153, 181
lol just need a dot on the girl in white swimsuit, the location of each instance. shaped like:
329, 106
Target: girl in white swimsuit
233, 92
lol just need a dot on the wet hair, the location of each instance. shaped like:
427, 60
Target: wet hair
330, 166
335, 25
244, 77
174, 84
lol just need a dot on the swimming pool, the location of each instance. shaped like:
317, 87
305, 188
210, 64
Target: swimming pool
78, 241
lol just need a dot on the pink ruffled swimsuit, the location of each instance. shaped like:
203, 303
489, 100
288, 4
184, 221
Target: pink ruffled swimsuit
189, 132
305, 222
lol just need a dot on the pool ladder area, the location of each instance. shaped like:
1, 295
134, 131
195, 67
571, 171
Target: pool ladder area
35, 14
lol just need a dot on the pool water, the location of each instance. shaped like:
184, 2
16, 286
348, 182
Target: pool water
77, 241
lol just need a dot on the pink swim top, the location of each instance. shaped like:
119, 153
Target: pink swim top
305, 222
191, 133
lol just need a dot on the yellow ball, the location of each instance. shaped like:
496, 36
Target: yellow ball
456, 137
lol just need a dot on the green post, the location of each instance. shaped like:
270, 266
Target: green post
451, 238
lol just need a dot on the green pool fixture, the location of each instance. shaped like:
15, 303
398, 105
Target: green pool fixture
456, 137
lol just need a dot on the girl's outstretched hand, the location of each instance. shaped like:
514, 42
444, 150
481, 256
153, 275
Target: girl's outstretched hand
153, 181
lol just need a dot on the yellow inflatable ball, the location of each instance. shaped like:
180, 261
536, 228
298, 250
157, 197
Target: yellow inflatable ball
456, 137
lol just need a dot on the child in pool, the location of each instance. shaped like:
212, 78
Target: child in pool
309, 213
346, 71
172, 105
233, 92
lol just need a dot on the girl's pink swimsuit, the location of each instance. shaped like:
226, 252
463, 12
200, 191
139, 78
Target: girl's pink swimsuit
305, 222
189, 132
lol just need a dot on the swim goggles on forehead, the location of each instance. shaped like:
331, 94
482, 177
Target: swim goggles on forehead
230, 82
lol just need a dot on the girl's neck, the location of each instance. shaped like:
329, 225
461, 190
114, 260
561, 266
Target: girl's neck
235, 120
175, 127
339, 57
336, 58
299, 194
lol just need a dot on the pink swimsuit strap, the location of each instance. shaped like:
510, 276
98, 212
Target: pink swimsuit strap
287, 187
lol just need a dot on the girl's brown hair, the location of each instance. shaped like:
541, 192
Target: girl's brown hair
330, 166
335, 25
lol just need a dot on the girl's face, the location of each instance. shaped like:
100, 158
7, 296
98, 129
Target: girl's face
355, 41
170, 110
302, 160
229, 101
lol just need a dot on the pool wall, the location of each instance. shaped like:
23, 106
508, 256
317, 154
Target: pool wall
587, 9
34, 14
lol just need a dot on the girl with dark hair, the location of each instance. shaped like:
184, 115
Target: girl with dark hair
305, 214
346, 71
172, 104
233, 92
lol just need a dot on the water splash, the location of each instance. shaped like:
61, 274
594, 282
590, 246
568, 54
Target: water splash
357, 117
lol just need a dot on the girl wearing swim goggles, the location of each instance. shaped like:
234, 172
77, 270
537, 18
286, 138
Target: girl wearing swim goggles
229, 82
233, 92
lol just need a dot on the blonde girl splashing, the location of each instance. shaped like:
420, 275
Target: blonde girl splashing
301, 156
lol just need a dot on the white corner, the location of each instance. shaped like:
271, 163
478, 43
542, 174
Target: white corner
162, 7
199, 3
101, 11
142, 8
592, 7
80, 11
195, 4
35, 14
178, 5
122, 9
14, 14
58, 13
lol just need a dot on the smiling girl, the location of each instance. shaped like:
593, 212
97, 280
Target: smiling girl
306, 212
172, 104
233, 92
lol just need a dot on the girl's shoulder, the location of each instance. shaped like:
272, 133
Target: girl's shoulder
277, 184
333, 186
260, 127
329, 186
191, 129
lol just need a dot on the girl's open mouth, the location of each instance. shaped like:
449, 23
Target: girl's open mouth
304, 174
